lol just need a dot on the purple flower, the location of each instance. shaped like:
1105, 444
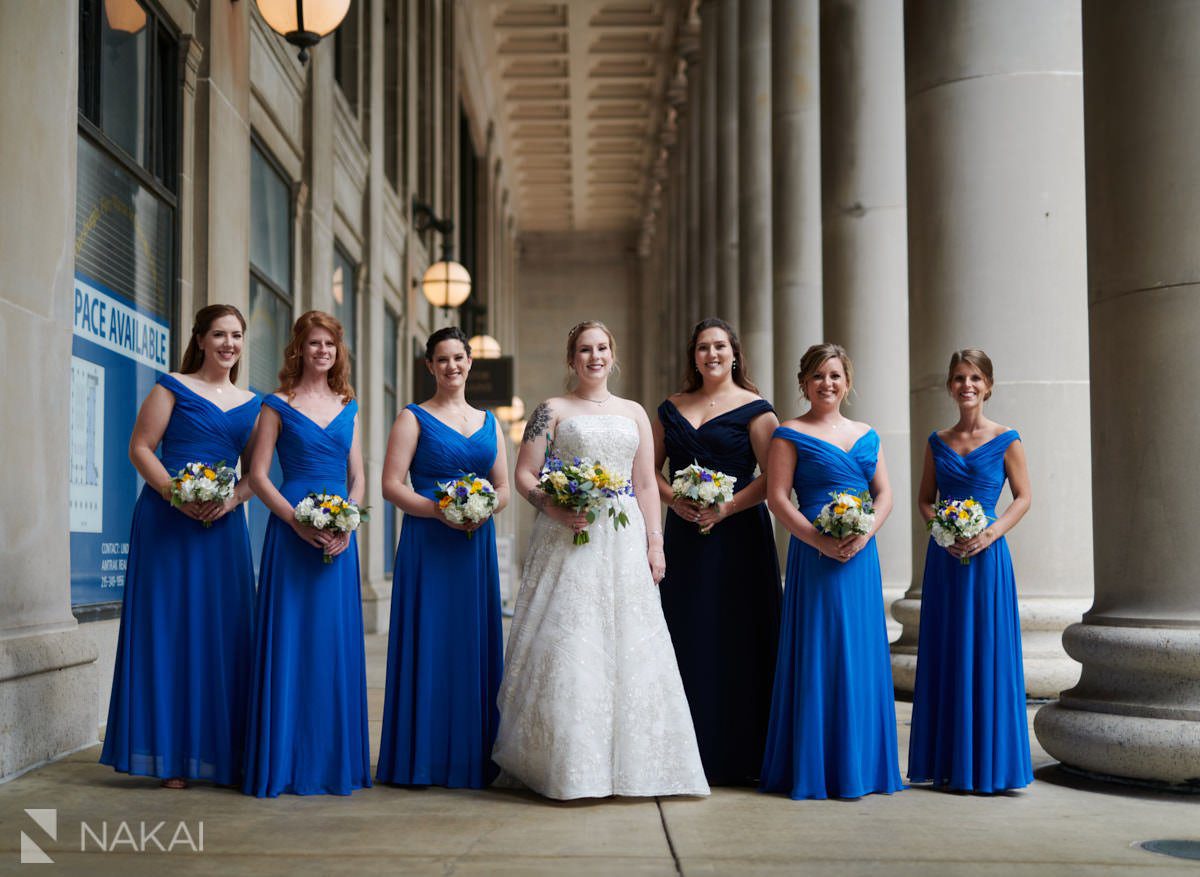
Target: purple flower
706, 476
462, 491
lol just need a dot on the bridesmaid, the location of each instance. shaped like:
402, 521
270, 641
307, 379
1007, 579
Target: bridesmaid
969, 728
833, 718
308, 705
445, 649
178, 705
721, 594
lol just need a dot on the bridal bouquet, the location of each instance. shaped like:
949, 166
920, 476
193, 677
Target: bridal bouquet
955, 519
326, 511
466, 499
704, 486
583, 485
847, 514
200, 482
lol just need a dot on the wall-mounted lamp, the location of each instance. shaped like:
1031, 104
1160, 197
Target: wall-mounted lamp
126, 16
303, 22
484, 347
514, 413
446, 284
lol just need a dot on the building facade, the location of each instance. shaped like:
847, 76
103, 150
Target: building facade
904, 178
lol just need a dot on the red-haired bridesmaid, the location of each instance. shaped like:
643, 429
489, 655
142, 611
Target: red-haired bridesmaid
308, 706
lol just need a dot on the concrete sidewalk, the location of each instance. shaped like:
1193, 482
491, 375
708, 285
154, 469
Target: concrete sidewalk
1061, 825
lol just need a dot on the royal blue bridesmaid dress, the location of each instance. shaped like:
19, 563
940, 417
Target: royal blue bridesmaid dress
445, 648
178, 703
969, 725
308, 704
833, 717
721, 598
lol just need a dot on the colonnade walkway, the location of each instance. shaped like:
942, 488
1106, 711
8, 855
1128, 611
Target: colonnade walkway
1062, 825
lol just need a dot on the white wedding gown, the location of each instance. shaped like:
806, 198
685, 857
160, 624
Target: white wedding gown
591, 703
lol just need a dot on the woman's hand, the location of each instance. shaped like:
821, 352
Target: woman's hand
314, 537
848, 546
574, 521
829, 547
712, 515
465, 526
657, 561
336, 542
974, 545
214, 511
687, 509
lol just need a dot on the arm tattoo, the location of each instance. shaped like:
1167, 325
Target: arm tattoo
536, 498
539, 422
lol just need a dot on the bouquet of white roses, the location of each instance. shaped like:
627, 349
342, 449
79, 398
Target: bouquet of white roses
200, 482
847, 514
955, 519
704, 486
584, 485
324, 511
466, 499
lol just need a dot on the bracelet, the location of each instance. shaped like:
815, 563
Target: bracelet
654, 532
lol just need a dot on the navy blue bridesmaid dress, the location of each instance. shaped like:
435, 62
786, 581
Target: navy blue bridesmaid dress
721, 598
178, 703
833, 716
307, 730
445, 648
969, 725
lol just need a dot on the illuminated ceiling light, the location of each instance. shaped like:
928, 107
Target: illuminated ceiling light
446, 284
127, 16
303, 22
484, 347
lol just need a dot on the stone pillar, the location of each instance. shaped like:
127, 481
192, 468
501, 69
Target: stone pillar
316, 218
795, 186
222, 160
47, 667
728, 305
754, 189
693, 294
710, 217
997, 260
376, 585
1136, 710
865, 239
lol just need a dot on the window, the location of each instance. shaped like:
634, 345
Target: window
126, 239
345, 304
426, 117
270, 270
348, 56
391, 340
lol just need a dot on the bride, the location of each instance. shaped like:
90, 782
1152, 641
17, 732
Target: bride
591, 703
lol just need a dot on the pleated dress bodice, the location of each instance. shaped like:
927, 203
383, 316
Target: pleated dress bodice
722, 443
312, 457
199, 431
823, 467
979, 474
444, 453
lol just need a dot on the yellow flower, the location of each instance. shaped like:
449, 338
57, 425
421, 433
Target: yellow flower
209, 473
840, 509
444, 501
476, 486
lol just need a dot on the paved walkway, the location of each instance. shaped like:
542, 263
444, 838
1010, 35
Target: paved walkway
1062, 825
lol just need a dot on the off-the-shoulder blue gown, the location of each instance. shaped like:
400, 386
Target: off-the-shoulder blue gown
178, 703
833, 716
721, 598
445, 648
969, 725
308, 706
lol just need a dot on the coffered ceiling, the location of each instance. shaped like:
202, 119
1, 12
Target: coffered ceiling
581, 88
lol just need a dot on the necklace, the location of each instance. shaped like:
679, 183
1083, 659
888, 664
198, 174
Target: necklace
593, 401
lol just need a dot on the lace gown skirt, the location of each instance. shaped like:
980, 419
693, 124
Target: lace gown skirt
592, 704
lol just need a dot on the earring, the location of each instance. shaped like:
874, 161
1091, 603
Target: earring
735, 365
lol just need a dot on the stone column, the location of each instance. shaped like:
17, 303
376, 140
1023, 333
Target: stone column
1136, 710
710, 217
997, 260
376, 585
316, 286
728, 305
795, 186
47, 667
694, 294
865, 238
754, 190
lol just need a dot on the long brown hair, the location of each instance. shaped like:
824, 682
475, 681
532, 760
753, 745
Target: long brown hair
193, 356
293, 356
692, 381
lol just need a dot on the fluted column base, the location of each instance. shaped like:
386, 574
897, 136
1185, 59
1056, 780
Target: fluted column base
1135, 713
1049, 669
